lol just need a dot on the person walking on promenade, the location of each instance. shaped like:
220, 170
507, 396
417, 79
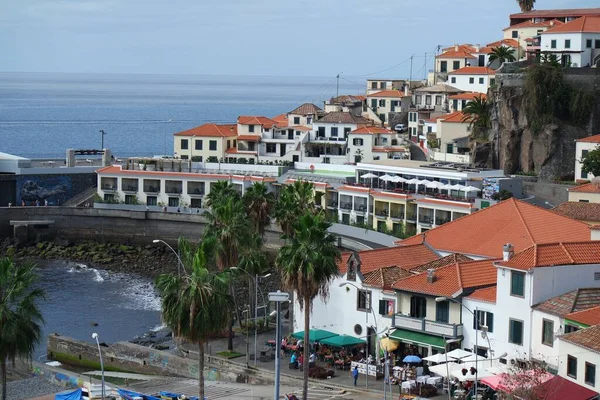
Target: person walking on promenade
355, 374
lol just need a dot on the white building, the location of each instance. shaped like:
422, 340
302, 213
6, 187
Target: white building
371, 143
458, 102
582, 147
377, 85
384, 102
580, 357
473, 79
576, 43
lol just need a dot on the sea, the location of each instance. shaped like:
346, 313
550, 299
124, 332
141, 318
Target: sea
81, 300
43, 114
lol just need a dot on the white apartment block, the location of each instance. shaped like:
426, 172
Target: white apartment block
473, 79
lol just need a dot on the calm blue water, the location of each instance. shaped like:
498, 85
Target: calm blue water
77, 297
41, 115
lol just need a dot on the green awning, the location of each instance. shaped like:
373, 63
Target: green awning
576, 324
422, 339
342, 341
315, 335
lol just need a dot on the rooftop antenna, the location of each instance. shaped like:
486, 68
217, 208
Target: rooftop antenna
337, 87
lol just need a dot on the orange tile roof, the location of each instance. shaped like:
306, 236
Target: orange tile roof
463, 47
442, 262
385, 277
504, 42
590, 317
588, 338
456, 54
585, 24
581, 211
467, 96
455, 117
234, 150
250, 138
557, 13
449, 203
211, 130
486, 294
435, 119
570, 302
531, 24
452, 280
300, 128
473, 71
590, 139
553, 254
511, 221
354, 189
403, 257
268, 123
307, 109
388, 93
373, 130
281, 120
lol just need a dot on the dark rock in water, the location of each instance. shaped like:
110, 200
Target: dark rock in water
162, 347
94, 324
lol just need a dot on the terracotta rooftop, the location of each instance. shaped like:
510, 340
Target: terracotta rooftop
211, 130
441, 262
592, 187
268, 123
556, 254
373, 130
585, 24
455, 117
580, 211
486, 294
484, 232
571, 12
589, 317
467, 96
567, 303
340, 117
307, 109
403, 257
588, 338
457, 54
385, 277
387, 93
504, 42
281, 120
531, 24
590, 139
452, 280
473, 71
464, 47
347, 99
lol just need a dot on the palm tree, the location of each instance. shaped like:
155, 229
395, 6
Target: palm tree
195, 305
20, 319
477, 114
526, 5
259, 203
307, 263
220, 191
502, 54
254, 261
294, 200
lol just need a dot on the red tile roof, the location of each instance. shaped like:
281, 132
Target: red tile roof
234, 150
387, 93
580, 211
281, 120
592, 187
590, 317
473, 71
464, 47
504, 42
554, 254
559, 13
586, 24
340, 117
268, 123
250, 138
486, 294
455, 117
456, 54
590, 139
467, 96
373, 130
570, 302
385, 277
531, 24
452, 280
402, 257
354, 189
511, 221
211, 130
307, 109
588, 338
442, 262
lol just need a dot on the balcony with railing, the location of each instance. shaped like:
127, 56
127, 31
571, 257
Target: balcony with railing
425, 216
360, 205
442, 217
195, 188
381, 211
345, 202
423, 325
151, 186
174, 187
108, 184
129, 185
397, 212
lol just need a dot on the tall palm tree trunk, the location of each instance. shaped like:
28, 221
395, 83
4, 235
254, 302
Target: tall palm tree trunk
201, 369
3, 366
306, 348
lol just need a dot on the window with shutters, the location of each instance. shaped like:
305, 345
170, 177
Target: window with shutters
442, 311
515, 331
334, 132
590, 374
321, 131
184, 144
387, 307
548, 332
517, 284
572, 366
418, 307
363, 302
486, 321
296, 120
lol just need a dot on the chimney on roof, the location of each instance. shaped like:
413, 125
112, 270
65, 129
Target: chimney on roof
468, 64
455, 47
508, 251
431, 275
477, 48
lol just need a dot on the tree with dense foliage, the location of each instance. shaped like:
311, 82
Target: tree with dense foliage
294, 200
196, 304
20, 318
253, 259
526, 5
590, 163
307, 264
477, 114
502, 54
219, 191
259, 203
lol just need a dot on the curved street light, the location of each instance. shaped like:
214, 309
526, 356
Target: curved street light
95, 336
180, 266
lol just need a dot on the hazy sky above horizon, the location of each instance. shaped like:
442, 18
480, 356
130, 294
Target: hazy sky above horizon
245, 37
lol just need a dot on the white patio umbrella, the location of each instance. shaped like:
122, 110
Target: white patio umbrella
439, 358
459, 353
441, 369
399, 179
471, 189
474, 358
386, 178
413, 181
368, 175
434, 185
457, 373
457, 187
424, 182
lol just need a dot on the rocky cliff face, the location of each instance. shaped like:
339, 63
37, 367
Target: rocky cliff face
514, 147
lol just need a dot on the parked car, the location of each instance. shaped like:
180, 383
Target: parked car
400, 128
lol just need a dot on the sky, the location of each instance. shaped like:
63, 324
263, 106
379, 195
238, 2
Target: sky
357, 38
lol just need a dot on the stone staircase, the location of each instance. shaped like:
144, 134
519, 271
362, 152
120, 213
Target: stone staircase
81, 198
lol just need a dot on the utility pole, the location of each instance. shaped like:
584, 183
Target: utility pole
337, 87
410, 78
102, 133
425, 67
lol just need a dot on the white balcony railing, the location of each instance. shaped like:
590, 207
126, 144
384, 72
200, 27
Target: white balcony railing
423, 325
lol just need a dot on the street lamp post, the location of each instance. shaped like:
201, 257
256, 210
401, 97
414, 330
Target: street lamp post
278, 297
180, 265
102, 133
95, 336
